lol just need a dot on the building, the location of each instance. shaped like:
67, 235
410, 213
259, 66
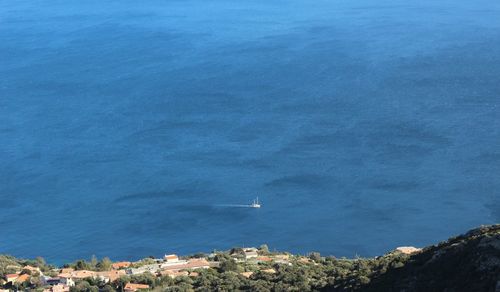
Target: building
22, 278
67, 281
153, 269
67, 270
246, 274
82, 274
69, 276
31, 268
172, 274
130, 287
408, 249
188, 265
60, 288
194, 274
250, 252
264, 259
121, 265
169, 258
11, 277
281, 259
111, 276
50, 280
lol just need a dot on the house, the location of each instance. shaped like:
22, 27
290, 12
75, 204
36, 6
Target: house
281, 258
121, 265
246, 274
13, 267
269, 271
67, 281
82, 274
408, 249
304, 260
60, 288
11, 277
188, 265
173, 274
67, 270
130, 287
153, 269
111, 276
169, 258
31, 268
264, 259
68, 276
23, 278
194, 274
250, 252
50, 280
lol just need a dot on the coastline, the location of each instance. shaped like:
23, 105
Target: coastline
250, 266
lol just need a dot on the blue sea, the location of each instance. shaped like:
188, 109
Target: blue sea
130, 128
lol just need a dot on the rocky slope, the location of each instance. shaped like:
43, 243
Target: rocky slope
469, 262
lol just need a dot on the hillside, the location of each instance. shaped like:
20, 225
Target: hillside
469, 262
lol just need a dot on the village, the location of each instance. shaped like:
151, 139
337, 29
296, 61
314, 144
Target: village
171, 265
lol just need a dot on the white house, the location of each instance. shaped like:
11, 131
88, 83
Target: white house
250, 252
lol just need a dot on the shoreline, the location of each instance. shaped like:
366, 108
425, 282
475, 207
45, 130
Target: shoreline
249, 266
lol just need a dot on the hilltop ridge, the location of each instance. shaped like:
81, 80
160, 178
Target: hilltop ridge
468, 262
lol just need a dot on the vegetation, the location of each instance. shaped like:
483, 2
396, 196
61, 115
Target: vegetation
469, 262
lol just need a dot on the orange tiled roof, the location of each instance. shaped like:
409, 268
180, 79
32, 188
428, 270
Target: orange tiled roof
60, 288
119, 265
67, 270
192, 264
64, 275
11, 277
171, 257
31, 268
111, 275
81, 274
264, 259
135, 287
22, 278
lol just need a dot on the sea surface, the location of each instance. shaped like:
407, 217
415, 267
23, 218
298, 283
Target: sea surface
134, 128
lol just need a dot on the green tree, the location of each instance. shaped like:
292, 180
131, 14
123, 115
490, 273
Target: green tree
84, 286
81, 265
107, 288
93, 262
264, 249
121, 282
104, 264
228, 265
315, 256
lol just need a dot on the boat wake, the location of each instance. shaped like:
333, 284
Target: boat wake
255, 204
233, 206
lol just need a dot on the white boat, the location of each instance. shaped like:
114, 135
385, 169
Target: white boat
255, 203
